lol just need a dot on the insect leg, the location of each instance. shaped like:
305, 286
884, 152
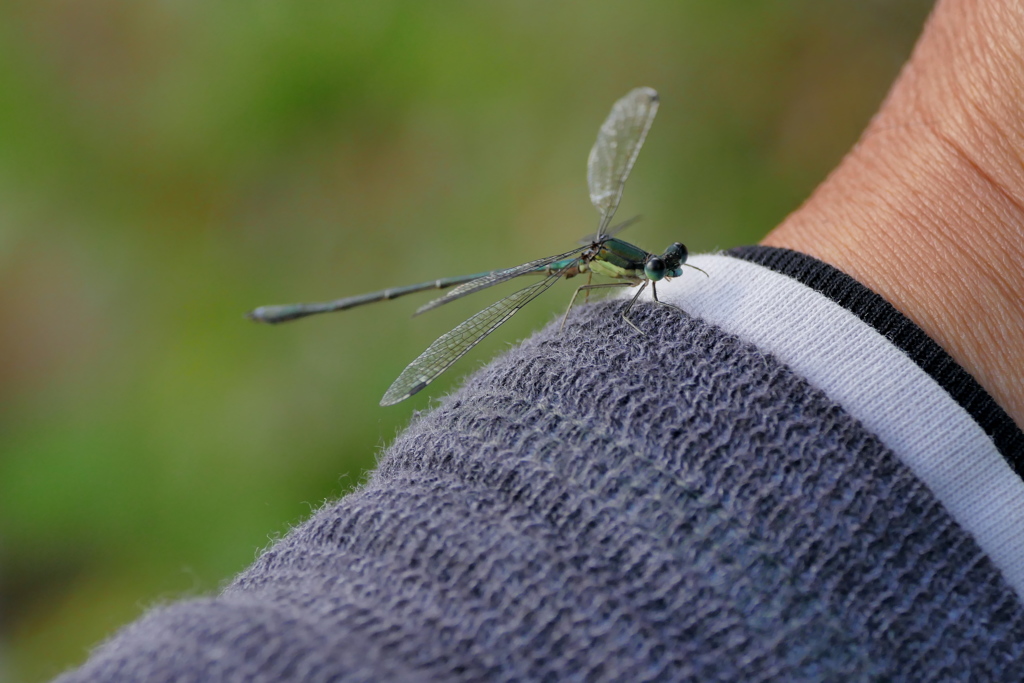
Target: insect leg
654, 293
629, 307
588, 287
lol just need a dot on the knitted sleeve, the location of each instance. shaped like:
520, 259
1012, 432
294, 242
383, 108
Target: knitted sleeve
789, 481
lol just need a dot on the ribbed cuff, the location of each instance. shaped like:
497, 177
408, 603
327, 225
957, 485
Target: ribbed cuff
879, 366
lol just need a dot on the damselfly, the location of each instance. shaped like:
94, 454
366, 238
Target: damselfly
611, 159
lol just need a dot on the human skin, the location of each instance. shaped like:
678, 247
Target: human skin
928, 207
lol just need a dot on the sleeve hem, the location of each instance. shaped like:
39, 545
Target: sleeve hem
848, 342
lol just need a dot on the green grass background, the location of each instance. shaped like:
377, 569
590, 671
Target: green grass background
166, 166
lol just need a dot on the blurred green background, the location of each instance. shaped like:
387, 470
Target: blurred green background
166, 166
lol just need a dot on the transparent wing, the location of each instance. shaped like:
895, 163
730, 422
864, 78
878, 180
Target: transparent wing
452, 346
610, 232
618, 144
491, 279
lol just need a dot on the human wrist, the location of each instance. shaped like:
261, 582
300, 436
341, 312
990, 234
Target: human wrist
928, 209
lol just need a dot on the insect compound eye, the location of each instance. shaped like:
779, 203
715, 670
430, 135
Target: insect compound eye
654, 269
675, 272
680, 249
674, 256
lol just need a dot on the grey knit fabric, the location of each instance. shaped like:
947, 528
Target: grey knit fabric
600, 505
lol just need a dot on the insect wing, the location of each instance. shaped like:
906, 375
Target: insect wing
453, 345
614, 153
495, 278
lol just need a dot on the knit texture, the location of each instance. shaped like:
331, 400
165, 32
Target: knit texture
601, 505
